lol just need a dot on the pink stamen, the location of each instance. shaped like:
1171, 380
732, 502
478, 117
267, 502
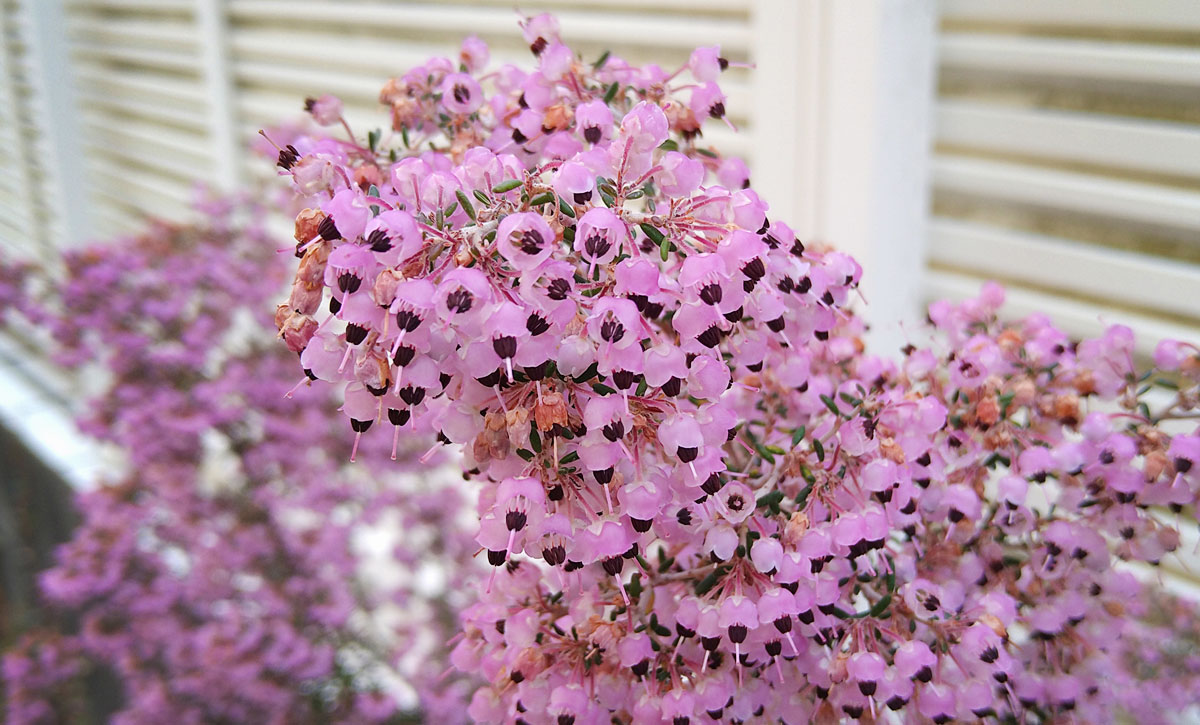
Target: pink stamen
398, 343
295, 387
354, 450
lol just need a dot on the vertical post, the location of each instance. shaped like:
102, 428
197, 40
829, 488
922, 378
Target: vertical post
787, 53
879, 112
213, 28
844, 93
58, 114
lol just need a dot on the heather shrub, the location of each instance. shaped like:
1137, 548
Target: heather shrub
701, 498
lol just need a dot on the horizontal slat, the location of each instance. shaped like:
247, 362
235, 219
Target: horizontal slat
1123, 278
1078, 319
177, 169
112, 221
181, 6
1071, 58
658, 31
183, 63
120, 133
1082, 193
152, 88
1153, 146
173, 36
138, 189
168, 114
1172, 15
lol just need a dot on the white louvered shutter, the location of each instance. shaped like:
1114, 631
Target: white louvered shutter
1067, 161
143, 108
145, 74
26, 226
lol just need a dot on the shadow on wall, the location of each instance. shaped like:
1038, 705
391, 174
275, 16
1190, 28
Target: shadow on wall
36, 515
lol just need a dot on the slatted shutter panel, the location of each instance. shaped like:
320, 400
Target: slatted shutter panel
1067, 162
26, 225
282, 51
142, 104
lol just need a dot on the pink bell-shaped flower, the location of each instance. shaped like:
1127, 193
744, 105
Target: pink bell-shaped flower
525, 240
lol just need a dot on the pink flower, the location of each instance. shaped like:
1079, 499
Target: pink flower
600, 235
525, 240
461, 93
706, 63
680, 175
574, 182
326, 110
474, 53
594, 121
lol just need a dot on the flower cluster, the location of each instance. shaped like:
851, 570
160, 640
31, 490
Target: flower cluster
233, 574
701, 499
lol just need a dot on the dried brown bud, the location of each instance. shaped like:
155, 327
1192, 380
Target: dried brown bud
373, 371
891, 450
1024, 392
993, 623
796, 526
304, 299
550, 411
1084, 383
1066, 409
368, 175
307, 222
516, 421
384, 291
987, 410
311, 271
393, 90
1156, 463
557, 117
1010, 340
297, 330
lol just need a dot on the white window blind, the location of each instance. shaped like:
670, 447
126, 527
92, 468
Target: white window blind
1067, 161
